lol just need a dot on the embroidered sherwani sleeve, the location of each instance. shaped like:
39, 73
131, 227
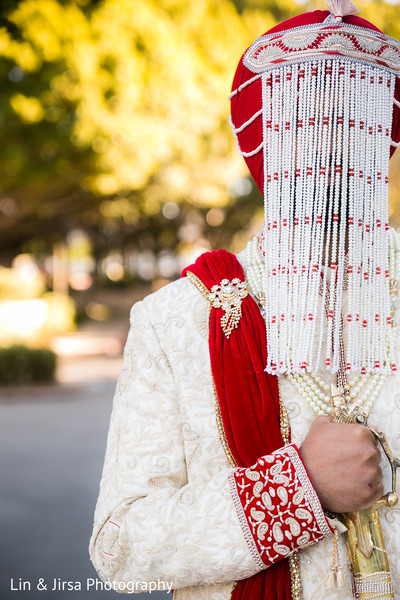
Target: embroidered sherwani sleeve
152, 522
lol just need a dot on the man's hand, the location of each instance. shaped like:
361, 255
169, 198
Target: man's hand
343, 464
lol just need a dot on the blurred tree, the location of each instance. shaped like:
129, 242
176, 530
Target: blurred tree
120, 101
111, 110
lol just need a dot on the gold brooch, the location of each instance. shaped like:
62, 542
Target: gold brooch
229, 295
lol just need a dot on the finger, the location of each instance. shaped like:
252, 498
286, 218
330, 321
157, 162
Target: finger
376, 484
378, 479
324, 419
379, 490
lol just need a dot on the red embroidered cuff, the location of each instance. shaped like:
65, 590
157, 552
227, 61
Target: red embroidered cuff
277, 505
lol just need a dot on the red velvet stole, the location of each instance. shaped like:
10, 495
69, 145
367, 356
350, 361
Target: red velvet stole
248, 399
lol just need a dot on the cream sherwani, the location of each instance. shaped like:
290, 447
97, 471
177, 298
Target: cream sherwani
165, 510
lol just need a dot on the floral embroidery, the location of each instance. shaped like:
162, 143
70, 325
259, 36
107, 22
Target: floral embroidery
298, 40
319, 41
368, 43
269, 52
111, 548
338, 42
277, 506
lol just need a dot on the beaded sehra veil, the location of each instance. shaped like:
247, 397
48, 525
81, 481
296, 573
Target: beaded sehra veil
325, 133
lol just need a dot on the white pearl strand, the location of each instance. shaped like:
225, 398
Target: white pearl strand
255, 271
310, 385
394, 278
313, 389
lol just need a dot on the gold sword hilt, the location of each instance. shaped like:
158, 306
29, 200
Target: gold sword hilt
364, 536
348, 411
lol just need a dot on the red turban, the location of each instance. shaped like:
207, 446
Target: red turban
248, 101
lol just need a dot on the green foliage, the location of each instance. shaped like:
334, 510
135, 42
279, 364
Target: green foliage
20, 364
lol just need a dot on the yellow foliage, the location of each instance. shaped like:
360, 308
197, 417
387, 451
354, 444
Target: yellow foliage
5, 41
21, 52
149, 81
15, 286
385, 16
60, 317
48, 25
29, 109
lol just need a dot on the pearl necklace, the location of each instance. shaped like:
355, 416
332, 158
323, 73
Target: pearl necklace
314, 390
255, 271
311, 386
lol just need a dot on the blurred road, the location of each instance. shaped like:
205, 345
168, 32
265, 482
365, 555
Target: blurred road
52, 444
